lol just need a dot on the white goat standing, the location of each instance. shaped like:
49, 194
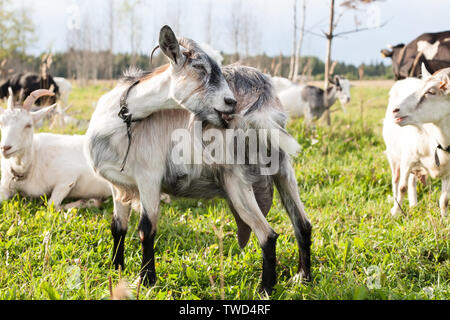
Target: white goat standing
417, 135
44, 163
308, 101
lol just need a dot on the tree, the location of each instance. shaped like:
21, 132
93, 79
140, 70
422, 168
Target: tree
112, 22
330, 35
299, 43
17, 30
235, 25
294, 44
130, 18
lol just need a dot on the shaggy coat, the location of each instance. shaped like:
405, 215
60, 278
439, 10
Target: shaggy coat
150, 169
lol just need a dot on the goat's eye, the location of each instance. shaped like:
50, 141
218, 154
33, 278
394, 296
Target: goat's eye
28, 126
432, 91
199, 67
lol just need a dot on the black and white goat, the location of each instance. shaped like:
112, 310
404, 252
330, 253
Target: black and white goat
194, 82
23, 84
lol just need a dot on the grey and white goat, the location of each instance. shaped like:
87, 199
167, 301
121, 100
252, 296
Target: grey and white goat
44, 163
234, 97
308, 101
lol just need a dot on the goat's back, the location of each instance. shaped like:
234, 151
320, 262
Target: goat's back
61, 157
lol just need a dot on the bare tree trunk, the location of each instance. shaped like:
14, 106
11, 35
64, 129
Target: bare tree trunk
209, 23
110, 63
300, 42
294, 44
329, 36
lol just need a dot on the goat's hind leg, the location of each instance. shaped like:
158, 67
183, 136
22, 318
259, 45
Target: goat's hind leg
286, 185
242, 197
119, 226
412, 190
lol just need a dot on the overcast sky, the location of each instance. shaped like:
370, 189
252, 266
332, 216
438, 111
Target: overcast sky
271, 22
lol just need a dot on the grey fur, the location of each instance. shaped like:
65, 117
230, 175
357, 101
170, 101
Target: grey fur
242, 185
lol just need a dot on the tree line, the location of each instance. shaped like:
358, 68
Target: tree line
88, 65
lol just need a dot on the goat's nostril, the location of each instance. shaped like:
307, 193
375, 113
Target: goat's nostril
6, 148
396, 110
230, 102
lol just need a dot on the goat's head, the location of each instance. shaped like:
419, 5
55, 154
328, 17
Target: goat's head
17, 123
391, 50
428, 101
4, 89
342, 90
197, 81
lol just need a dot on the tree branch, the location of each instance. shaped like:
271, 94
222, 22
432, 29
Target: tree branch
360, 29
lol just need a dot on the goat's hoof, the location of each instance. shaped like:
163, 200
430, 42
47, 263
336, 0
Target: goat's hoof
148, 279
394, 212
305, 276
266, 290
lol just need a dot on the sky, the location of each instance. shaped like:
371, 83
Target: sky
270, 24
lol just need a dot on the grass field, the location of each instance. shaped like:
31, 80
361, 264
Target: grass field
358, 250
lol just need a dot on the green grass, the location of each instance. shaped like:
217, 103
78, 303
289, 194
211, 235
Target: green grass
358, 250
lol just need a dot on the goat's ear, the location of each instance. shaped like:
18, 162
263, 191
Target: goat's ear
385, 53
425, 73
169, 45
38, 115
336, 81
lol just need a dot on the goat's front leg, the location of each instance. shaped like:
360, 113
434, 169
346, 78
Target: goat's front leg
405, 171
59, 193
244, 202
81, 204
149, 192
443, 200
4, 194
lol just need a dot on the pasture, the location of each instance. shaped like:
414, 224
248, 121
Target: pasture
358, 252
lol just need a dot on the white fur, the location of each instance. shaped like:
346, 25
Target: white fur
212, 53
65, 87
50, 163
411, 142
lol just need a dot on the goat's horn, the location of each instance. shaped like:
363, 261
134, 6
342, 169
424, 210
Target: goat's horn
10, 102
31, 99
188, 44
151, 56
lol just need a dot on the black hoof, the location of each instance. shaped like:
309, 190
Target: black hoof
148, 279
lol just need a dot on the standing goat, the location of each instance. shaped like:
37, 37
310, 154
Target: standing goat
309, 101
417, 135
145, 167
44, 163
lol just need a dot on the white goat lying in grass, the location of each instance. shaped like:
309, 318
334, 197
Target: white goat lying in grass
44, 163
417, 135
